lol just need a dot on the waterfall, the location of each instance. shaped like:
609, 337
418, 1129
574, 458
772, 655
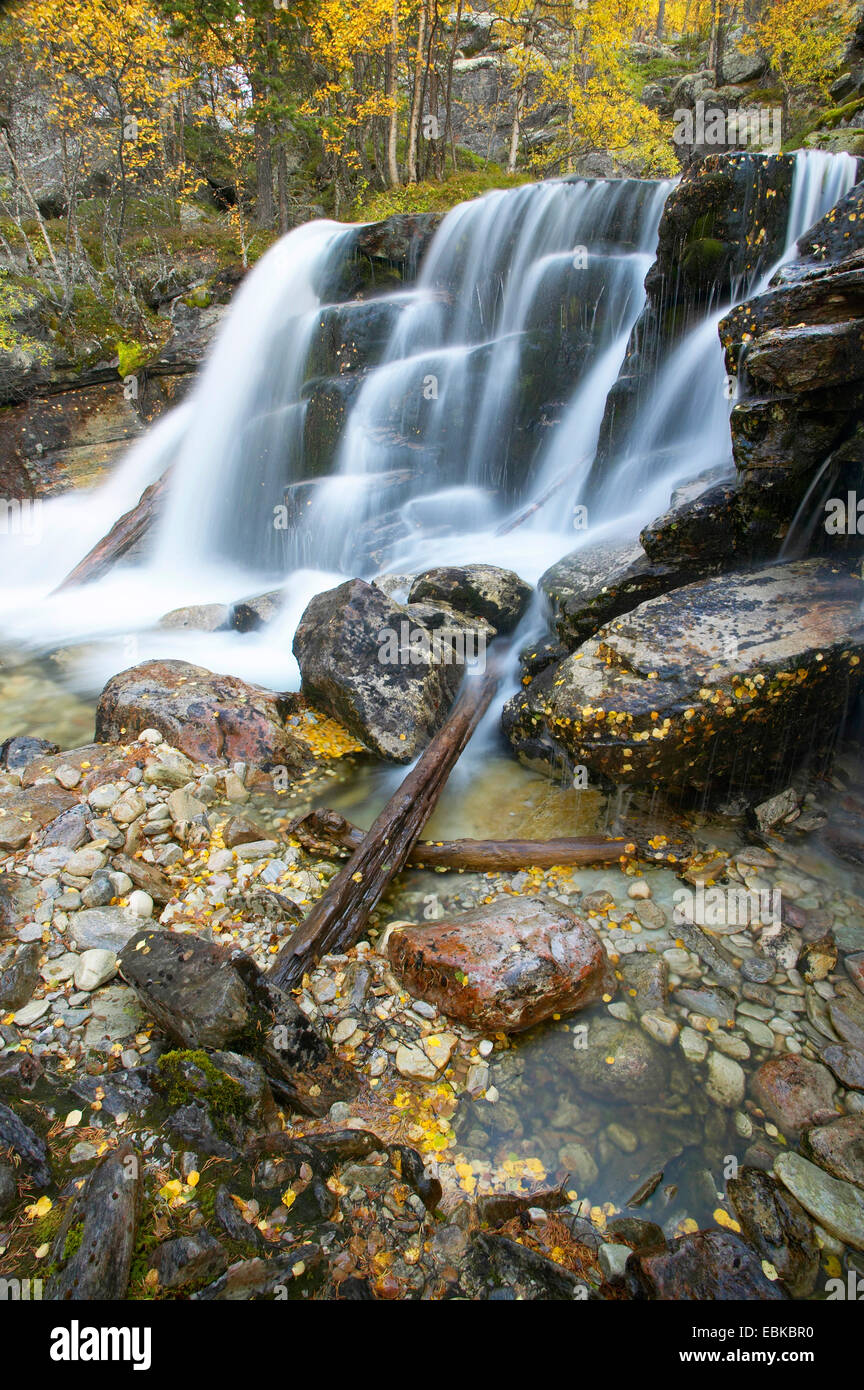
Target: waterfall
487, 399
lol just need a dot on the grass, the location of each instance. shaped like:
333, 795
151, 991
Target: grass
432, 196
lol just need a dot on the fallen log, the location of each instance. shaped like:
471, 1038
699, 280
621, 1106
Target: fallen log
337, 920
126, 532
320, 832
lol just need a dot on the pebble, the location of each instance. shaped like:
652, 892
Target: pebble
662, 1029
344, 1030
68, 777
693, 1045
726, 1082
411, 1061
32, 1012
84, 862
103, 798
639, 889
94, 968
757, 1032
56, 972
140, 903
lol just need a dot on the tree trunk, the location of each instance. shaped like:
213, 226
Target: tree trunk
414, 123
393, 97
265, 212
661, 19
131, 527
338, 919
320, 832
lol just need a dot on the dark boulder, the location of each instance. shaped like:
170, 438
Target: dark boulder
372, 664
705, 1266
94, 1246
778, 1227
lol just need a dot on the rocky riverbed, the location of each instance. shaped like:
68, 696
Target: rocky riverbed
696, 1129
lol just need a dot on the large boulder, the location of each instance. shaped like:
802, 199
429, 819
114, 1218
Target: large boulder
206, 716
834, 1204
506, 965
92, 1252
618, 1062
374, 666
838, 1148
705, 1266
735, 676
794, 1092
589, 587
205, 998
778, 1227
479, 591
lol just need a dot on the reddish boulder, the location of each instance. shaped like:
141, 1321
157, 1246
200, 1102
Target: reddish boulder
794, 1092
207, 717
504, 966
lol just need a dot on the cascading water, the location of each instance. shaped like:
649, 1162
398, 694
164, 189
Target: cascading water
470, 417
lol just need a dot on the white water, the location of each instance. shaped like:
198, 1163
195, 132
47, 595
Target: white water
496, 269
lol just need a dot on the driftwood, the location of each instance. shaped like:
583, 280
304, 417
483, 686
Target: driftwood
338, 919
507, 526
320, 832
131, 528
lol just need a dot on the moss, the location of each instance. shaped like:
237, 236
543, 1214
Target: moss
706, 255
225, 1098
435, 196
74, 1237
130, 356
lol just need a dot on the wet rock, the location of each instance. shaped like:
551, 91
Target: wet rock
26, 1145
592, 586
206, 716
836, 1205
251, 1280
708, 1265
794, 1092
189, 987
250, 614
496, 1261
96, 1239
19, 974
16, 753
148, 877
778, 1227
19, 1074
648, 976
102, 928
353, 648
504, 966
205, 998
726, 1082
838, 1148
67, 831
847, 1017
8, 1189
847, 1064
115, 1017
216, 1103
659, 696
40, 803
698, 535
201, 617
187, 1260
620, 1064
776, 809
478, 591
